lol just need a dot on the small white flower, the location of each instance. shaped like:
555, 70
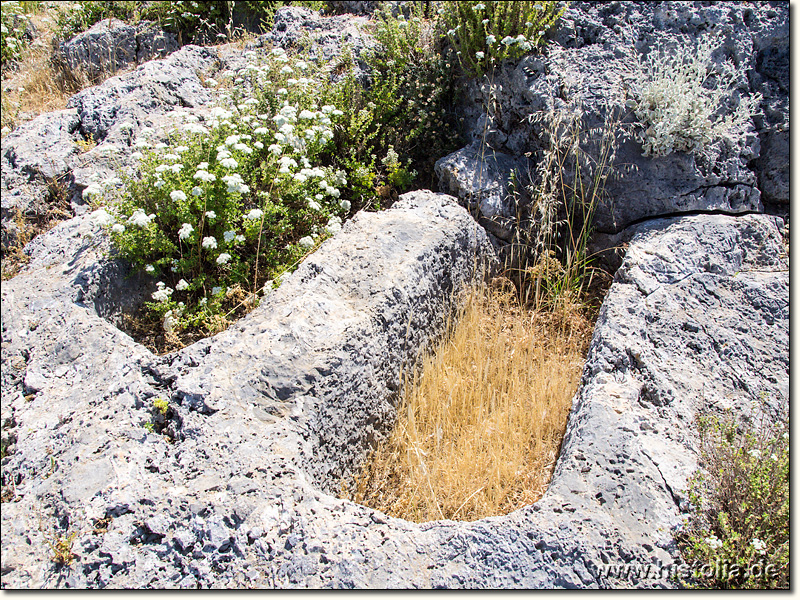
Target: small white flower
713, 542
118, 228
313, 204
159, 183
93, 189
759, 545
216, 290
258, 145
223, 258
210, 214
204, 175
197, 191
209, 243
162, 294
306, 242
229, 163
755, 453
140, 219
150, 269
254, 214
170, 321
345, 204
334, 225
490, 39
177, 196
102, 218
202, 166
137, 155
185, 231
507, 41
181, 285
479, 55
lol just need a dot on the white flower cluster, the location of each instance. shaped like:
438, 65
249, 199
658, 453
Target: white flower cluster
163, 292
140, 219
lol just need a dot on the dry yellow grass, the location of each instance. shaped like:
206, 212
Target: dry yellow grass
479, 432
35, 85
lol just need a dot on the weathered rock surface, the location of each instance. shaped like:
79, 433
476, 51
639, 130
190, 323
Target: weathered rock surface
269, 415
585, 72
324, 37
110, 45
483, 180
234, 487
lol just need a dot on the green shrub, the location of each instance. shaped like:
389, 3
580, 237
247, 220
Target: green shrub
212, 21
407, 106
12, 31
686, 102
485, 33
740, 503
230, 205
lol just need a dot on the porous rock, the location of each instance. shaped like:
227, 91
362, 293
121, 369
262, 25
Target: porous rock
585, 71
270, 415
325, 37
110, 45
484, 182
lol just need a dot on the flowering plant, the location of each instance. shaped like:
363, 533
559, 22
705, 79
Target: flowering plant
12, 38
234, 200
484, 33
740, 502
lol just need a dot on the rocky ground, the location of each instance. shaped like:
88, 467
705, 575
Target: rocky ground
236, 484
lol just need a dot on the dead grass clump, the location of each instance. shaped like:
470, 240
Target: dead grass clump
37, 84
480, 430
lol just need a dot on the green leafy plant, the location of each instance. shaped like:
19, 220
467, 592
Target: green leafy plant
161, 405
485, 33
407, 104
219, 214
740, 503
686, 101
12, 31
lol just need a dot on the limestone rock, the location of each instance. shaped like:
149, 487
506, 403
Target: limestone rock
485, 182
110, 45
588, 66
328, 36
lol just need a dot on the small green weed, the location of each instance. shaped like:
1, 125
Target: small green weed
741, 504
